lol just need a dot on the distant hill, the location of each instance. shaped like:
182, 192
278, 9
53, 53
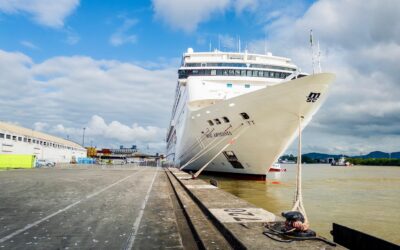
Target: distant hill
379, 155
374, 154
319, 156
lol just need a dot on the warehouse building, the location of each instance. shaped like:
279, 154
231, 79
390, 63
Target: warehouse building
19, 141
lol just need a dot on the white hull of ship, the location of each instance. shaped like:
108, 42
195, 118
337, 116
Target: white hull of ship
273, 125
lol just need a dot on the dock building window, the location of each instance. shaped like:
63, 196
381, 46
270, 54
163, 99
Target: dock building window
25, 139
19, 138
1, 135
14, 138
8, 136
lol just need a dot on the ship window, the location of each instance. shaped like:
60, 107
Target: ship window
243, 72
229, 85
248, 72
237, 72
277, 75
255, 72
245, 115
225, 119
213, 72
29, 140
271, 74
14, 138
210, 122
1, 135
247, 86
195, 72
231, 72
217, 121
19, 138
260, 73
8, 136
25, 139
225, 72
266, 73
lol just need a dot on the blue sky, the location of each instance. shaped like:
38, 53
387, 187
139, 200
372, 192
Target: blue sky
87, 31
111, 66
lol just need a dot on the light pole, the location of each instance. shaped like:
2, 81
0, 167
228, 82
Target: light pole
83, 137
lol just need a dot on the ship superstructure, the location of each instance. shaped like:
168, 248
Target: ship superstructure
237, 112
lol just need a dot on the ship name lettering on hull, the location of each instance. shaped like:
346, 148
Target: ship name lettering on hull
219, 134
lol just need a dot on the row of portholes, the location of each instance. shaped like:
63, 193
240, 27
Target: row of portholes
217, 121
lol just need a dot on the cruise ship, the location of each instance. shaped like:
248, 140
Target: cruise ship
236, 113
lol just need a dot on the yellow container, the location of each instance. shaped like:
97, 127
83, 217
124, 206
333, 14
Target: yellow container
16, 161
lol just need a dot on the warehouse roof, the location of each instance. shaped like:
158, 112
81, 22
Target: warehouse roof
15, 129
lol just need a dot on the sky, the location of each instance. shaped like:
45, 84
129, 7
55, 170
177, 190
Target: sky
111, 66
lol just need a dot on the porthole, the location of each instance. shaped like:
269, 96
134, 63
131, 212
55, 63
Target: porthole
217, 121
245, 115
225, 119
210, 122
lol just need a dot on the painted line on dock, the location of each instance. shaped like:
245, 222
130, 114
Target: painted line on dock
206, 186
239, 215
136, 225
29, 226
184, 177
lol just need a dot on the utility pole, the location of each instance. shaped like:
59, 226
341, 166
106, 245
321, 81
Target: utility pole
83, 137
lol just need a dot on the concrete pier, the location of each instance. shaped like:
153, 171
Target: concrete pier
127, 207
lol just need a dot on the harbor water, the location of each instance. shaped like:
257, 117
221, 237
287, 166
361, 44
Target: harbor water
365, 198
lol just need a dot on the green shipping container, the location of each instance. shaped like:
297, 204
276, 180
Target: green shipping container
16, 161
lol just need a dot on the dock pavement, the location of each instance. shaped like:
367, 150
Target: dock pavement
127, 207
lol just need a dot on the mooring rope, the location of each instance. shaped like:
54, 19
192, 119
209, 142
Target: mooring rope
231, 141
206, 149
298, 197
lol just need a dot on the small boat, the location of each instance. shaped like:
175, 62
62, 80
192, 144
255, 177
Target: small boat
276, 167
341, 162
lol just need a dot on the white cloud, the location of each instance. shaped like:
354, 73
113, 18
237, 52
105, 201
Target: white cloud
122, 35
29, 45
40, 126
45, 12
241, 5
65, 92
187, 14
115, 131
228, 42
